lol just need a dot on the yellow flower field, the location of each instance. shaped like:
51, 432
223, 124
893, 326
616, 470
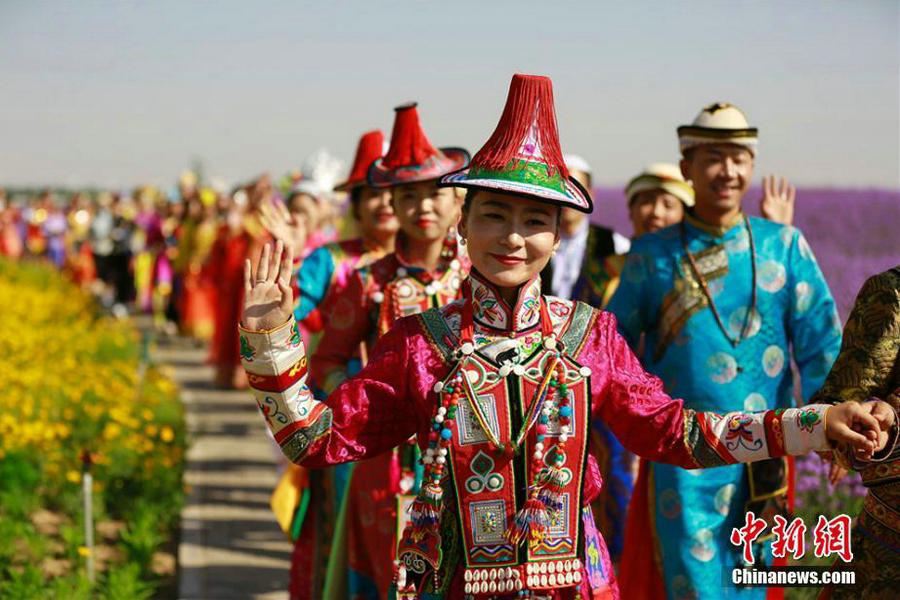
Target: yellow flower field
72, 387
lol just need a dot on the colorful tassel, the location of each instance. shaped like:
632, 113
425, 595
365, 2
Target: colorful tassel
553, 480
531, 522
425, 512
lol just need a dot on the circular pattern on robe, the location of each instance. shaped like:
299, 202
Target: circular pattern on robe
739, 244
755, 402
805, 250
786, 234
736, 322
773, 361
723, 498
716, 286
474, 485
771, 276
721, 367
702, 547
822, 365
669, 503
803, 294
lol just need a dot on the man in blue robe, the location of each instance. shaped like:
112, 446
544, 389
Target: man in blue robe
720, 300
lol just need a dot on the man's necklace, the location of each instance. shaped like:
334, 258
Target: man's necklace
703, 285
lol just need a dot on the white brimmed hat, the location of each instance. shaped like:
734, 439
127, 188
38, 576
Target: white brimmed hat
719, 123
661, 176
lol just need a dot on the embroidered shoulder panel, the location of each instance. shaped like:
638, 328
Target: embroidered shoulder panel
687, 298
579, 325
442, 328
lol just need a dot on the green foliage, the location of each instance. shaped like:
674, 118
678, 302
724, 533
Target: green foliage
125, 583
70, 588
142, 536
73, 538
17, 584
19, 479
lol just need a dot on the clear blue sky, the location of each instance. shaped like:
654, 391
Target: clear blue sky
116, 93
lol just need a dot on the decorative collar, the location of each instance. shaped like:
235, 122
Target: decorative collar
449, 260
713, 230
490, 310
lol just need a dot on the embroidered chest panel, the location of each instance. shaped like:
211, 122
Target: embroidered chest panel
490, 485
406, 295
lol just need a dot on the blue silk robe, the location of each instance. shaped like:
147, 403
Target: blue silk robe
693, 512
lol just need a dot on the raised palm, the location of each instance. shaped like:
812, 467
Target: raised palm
284, 225
777, 203
268, 298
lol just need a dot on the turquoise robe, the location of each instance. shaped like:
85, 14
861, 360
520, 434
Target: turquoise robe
658, 296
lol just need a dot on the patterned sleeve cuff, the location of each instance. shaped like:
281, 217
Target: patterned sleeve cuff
716, 439
276, 367
804, 429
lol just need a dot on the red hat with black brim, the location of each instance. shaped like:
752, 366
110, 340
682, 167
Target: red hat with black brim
369, 149
523, 156
411, 158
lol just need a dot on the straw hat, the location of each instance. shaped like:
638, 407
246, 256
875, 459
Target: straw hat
661, 176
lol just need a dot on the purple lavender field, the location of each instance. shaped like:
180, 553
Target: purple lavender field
853, 232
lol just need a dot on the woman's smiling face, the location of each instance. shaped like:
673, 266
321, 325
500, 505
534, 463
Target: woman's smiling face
425, 212
509, 238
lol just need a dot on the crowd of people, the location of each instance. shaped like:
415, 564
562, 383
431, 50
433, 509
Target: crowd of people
175, 255
481, 393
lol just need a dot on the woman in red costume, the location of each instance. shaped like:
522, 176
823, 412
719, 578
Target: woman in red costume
423, 272
307, 504
197, 304
500, 388
242, 236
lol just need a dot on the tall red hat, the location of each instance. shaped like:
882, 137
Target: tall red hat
411, 157
523, 154
369, 149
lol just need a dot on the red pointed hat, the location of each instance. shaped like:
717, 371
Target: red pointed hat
411, 157
523, 154
369, 149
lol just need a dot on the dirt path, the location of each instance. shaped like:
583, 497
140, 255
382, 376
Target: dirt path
231, 546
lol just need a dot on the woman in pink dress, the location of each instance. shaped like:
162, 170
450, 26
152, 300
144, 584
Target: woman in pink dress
500, 388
